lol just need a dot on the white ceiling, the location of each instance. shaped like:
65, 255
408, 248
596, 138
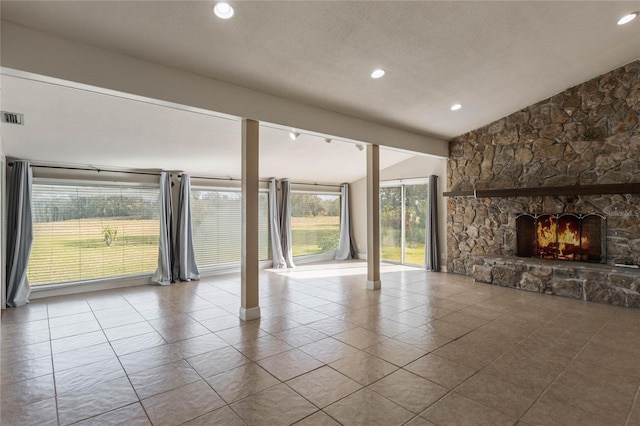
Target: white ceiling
493, 57
71, 126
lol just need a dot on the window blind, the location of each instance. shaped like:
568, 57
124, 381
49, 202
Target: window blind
216, 217
315, 223
86, 232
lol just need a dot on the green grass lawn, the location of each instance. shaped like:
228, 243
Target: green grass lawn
414, 254
314, 235
75, 250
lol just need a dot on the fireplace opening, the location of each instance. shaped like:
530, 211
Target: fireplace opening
580, 238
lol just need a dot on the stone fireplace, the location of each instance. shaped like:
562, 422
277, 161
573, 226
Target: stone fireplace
580, 238
574, 155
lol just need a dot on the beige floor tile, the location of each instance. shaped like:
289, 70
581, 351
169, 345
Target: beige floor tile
419, 421
18, 336
74, 329
387, 327
137, 343
453, 330
162, 379
318, 418
98, 399
457, 410
222, 323
277, 324
128, 330
215, 362
300, 336
83, 356
328, 350
131, 415
323, 386
332, 326
465, 320
241, 382
26, 369
473, 353
597, 390
409, 390
499, 394
222, 416
548, 411
421, 338
27, 392
76, 342
149, 358
235, 335
623, 360
275, 406
364, 368
198, 345
41, 413
182, 404
289, 364
87, 375
262, 347
440, 370
395, 352
359, 337
366, 407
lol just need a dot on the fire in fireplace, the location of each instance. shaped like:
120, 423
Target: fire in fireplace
579, 238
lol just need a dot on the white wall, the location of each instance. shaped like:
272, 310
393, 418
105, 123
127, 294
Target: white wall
420, 166
39, 53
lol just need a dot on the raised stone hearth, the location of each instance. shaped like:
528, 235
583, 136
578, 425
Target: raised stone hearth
591, 282
587, 135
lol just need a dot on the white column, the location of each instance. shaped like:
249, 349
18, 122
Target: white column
373, 217
249, 309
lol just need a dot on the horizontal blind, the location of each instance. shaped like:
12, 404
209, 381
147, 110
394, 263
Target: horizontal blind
216, 217
86, 232
315, 223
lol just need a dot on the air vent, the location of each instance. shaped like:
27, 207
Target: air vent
12, 117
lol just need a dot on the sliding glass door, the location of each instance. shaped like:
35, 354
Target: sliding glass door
403, 213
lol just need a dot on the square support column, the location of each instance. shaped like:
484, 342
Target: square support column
373, 217
249, 309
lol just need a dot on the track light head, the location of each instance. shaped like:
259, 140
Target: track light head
293, 135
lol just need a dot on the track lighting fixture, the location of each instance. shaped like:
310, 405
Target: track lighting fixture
293, 135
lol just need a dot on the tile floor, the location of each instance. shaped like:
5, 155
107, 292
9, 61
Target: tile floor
428, 349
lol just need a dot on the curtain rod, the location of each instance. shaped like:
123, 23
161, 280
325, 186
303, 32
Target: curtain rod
227, 179
91, 170
401, 179
261, 180
316, 184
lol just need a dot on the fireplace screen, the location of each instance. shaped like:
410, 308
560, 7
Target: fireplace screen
580, 238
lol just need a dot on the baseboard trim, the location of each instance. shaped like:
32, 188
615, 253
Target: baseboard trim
249, 314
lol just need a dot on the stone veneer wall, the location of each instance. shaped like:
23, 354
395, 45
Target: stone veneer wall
588, 134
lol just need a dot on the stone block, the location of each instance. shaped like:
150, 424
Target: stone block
541, 271
504, 276
602, 293
623, 281
482, 274
567, 287
530, 282
564, 273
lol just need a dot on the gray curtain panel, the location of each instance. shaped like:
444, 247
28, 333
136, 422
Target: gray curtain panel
346, 248
274, 223
185, 267
164, 273
432, 252
19, 233
285, 224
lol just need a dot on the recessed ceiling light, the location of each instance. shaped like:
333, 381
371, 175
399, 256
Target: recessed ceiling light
455, 107
223, 10
377, 73
293, 135
627, 18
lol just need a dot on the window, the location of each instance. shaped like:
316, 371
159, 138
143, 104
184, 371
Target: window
315, 223
216, 216
403, 214
85, 232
